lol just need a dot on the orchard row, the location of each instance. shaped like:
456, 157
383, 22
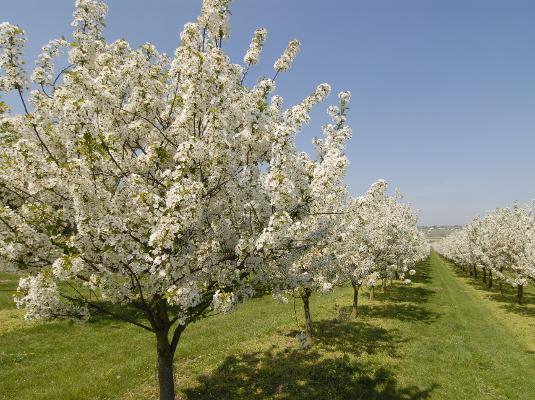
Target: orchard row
498, 247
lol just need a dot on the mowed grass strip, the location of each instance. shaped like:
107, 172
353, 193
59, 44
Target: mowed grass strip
469, 351
520, 319
438, 338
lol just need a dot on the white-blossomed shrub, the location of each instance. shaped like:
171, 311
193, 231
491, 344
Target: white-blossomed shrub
499, 246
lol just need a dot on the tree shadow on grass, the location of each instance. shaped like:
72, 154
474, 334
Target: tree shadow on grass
523, 309
508, 303
318, 373
507, 299
405, 293
402, 312
301, 375
400, 301
410, 292
476, 283
423, 272
352, 337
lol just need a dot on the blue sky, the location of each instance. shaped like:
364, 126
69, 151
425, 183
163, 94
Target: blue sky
443, 90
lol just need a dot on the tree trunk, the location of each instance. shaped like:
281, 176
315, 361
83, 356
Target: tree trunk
520, 294
372, 293
490, 279
165, 348
475, 272
166, 378
470, 271
501, 287
484, 275
384, 285
354, 311
308, 319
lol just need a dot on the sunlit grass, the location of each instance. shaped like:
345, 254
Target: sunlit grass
519, 319
438, 338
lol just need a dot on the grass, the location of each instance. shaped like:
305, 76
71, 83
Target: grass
519, 319
440, 338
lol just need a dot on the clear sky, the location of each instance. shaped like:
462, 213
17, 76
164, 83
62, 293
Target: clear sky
443, 90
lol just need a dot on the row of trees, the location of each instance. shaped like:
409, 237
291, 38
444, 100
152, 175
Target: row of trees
157, 190
498, 247
376, 241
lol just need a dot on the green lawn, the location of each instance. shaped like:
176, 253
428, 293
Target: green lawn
440, 338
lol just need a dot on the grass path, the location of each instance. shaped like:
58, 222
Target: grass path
439, 338
468, 350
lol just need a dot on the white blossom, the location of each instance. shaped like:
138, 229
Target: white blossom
253, 53
43, 74
13, 75
285, 61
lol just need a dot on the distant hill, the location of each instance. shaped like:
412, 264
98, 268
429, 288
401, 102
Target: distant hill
437, 232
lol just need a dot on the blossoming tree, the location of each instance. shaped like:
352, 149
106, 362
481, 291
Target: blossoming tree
381, 241
135, 181
501, 245
307, 254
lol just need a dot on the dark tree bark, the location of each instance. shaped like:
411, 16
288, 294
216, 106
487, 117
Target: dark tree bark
166, 380
308, 318
490, 280
475, 272
165, 347
356, 287
520, 294
484, 275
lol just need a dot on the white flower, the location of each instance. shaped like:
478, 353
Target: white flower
287, 58
12, 40
253, 53
224, 302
